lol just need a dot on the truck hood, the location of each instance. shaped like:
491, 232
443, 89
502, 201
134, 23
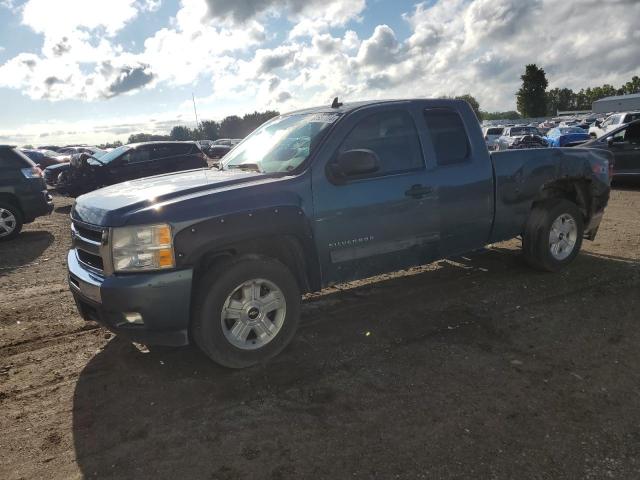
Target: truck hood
111, 206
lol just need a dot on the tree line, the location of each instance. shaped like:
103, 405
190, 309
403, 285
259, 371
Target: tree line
534, 100
232, 126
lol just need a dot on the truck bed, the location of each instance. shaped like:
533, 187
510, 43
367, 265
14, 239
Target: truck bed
520, 176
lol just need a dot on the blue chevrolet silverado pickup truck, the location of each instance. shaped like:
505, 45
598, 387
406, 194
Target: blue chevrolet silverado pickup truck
221, 256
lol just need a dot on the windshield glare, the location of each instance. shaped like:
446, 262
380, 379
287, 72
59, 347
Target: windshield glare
112, 155
280, 145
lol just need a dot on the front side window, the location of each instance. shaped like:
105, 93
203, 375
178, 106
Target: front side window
138, 155
392, 136
448, 136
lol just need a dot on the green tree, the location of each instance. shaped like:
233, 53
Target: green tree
560, 99
232, 127
510, 115
210, 130
180, 132
472, 102
147, 137
531, 98
633, 86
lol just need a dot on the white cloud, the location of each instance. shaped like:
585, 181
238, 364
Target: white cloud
454, 47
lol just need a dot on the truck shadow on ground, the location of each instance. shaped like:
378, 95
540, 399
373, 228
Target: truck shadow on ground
456, 369
23, 250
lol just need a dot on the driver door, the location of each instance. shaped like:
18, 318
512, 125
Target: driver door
378, 222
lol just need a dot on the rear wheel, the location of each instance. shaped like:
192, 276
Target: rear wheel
553, 235
10, 221
247, 311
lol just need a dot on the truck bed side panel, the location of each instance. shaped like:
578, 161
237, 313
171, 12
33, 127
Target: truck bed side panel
521, 175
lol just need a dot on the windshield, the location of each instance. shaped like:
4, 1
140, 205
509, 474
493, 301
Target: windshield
110, 156
515, 131
282, 144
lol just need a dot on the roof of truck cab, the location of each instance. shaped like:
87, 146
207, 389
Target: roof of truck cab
7, 146
159, 142
351, 106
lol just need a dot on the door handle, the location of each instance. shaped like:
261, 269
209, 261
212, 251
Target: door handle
418, 191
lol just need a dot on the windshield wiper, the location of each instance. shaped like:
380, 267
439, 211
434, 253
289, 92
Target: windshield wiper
254, 167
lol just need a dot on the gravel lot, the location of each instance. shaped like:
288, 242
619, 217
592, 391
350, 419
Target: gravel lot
475, 368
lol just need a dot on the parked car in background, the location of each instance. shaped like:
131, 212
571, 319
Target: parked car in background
44, 158
221, 147
86, 172
491, 135
52, 172
566, 136
220, 257
23, 194
612, 122
624, 144
514, 137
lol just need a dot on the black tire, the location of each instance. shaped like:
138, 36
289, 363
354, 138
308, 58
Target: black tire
536, 240
17, 214
213, 290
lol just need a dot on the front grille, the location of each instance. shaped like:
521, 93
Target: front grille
95, 235
87, 241
90, 259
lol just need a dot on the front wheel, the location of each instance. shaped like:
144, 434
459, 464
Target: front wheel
553, 235
10, 221
247, 311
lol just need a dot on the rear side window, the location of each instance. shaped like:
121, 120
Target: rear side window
171, 150
448, 135
9, 158
494, 131
392, 136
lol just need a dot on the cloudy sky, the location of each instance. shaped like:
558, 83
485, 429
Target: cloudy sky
97, 70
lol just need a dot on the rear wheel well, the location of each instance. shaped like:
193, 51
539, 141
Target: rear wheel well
11, 199
286, 248
574, 190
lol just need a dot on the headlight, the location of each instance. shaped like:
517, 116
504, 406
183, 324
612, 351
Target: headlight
143, 247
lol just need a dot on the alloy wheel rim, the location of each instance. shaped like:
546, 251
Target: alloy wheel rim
253, 314
563, 236
7, 222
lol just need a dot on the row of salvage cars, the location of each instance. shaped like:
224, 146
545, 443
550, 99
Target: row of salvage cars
623, 142
94, 168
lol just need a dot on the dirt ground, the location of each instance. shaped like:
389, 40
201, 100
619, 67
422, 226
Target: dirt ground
474, 368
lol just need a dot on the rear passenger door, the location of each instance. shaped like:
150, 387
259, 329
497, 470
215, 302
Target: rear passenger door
180, 156
461, 168
384, 221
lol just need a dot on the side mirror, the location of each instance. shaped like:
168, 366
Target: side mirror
353, 163
598, 123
